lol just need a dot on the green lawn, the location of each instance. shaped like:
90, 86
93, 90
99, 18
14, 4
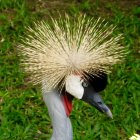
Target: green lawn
23, 114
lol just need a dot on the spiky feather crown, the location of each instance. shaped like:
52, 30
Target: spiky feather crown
83, 45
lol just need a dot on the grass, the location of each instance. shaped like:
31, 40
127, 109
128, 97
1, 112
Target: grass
23, 114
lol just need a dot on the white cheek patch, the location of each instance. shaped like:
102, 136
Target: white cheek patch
74, 86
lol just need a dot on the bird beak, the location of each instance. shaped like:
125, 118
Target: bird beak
95, 100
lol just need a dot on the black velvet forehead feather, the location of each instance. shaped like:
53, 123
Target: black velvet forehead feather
99, 83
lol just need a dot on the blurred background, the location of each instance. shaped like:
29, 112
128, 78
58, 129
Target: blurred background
23, 114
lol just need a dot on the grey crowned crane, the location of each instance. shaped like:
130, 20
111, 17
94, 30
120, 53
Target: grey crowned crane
70, 57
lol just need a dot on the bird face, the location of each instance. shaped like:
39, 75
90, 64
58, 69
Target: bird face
86, 91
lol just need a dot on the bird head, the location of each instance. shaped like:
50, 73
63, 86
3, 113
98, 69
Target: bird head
63, 51
86, 90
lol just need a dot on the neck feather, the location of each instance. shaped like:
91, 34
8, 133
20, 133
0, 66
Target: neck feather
62, 129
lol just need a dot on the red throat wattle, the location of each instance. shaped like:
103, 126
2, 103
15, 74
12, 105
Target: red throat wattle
67, 101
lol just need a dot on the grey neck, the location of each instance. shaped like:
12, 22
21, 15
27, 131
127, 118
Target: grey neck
62, 129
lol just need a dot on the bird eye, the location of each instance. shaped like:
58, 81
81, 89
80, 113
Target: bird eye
85, 84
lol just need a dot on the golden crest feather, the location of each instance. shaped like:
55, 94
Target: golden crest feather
82, 45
